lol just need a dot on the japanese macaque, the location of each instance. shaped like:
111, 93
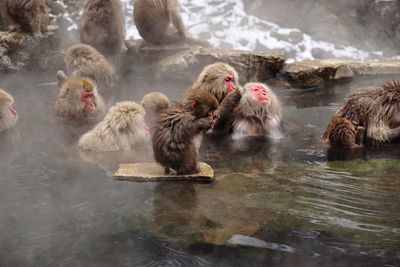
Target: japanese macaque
221, 80
368, 116
174, 139
258, 113
28, 16
85, 61
103, 26
8, 114
79, 100
159, 22
154, 103
122, 129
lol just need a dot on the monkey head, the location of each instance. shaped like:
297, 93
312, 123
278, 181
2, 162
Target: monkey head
259, 93
128, 118
155, 102
8, 113
201, 105
219, 79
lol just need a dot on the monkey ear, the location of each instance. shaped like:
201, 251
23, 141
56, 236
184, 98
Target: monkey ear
194, 104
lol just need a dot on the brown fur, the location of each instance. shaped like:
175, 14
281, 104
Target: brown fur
153, 20
341, 133
84, 60
8, 118
154, 103
103, 25
122, 129
376, 110
254, 118
29, 16
69, 105
177, 128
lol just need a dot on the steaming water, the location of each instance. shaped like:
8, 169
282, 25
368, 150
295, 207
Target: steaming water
284, 205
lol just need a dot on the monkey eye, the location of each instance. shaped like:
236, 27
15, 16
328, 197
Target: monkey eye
229, 79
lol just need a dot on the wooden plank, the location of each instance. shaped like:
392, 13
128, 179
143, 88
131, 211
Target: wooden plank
153, 172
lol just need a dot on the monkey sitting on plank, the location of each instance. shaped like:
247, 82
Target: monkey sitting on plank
178, 127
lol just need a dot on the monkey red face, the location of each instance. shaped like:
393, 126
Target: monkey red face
260, 93
229, 83
13, 111
143, 126
87, 98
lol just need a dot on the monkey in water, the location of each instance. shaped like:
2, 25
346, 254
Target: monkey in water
102, 26
85, 61
258, 113
159, 22
368, 117
122, 129
222, 81
29, 16
154, 103
177, 128
8, 114
79, 100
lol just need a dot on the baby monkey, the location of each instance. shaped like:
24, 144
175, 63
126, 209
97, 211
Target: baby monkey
177, 129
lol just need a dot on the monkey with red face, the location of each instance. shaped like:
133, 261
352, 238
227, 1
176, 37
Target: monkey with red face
221, 80
258, 113
8, 114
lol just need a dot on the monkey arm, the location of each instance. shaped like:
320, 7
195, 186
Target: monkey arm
175, 17
226, 112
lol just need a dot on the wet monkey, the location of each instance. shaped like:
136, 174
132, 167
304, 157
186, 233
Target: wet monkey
85, 61
8, 113
159, 22
79, 100
221, 80
122, 129
102, 25
258, 113
177, 129
375, 112
29, 16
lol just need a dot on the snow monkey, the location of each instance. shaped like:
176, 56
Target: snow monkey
79, 100
8, 114
159, 22
221, 80
177, 128
258, 113
84, 60
29, 16
122, 129
367, 117
103, 26
154, 103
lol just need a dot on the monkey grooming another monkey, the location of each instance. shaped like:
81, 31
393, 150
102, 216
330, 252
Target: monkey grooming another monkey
159, 22
85, 61
29, 16
376, 111
222, 81
177, 128
122, 129
79, 100
103, 26
154, 103
8, 114
258, 113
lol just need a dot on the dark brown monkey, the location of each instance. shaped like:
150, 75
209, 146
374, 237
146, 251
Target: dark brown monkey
85, 61
177, 128
258, 113
159, 22
376, 111
8, 114
29, 16
154, 103
79, 100
221, 80
103, 25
